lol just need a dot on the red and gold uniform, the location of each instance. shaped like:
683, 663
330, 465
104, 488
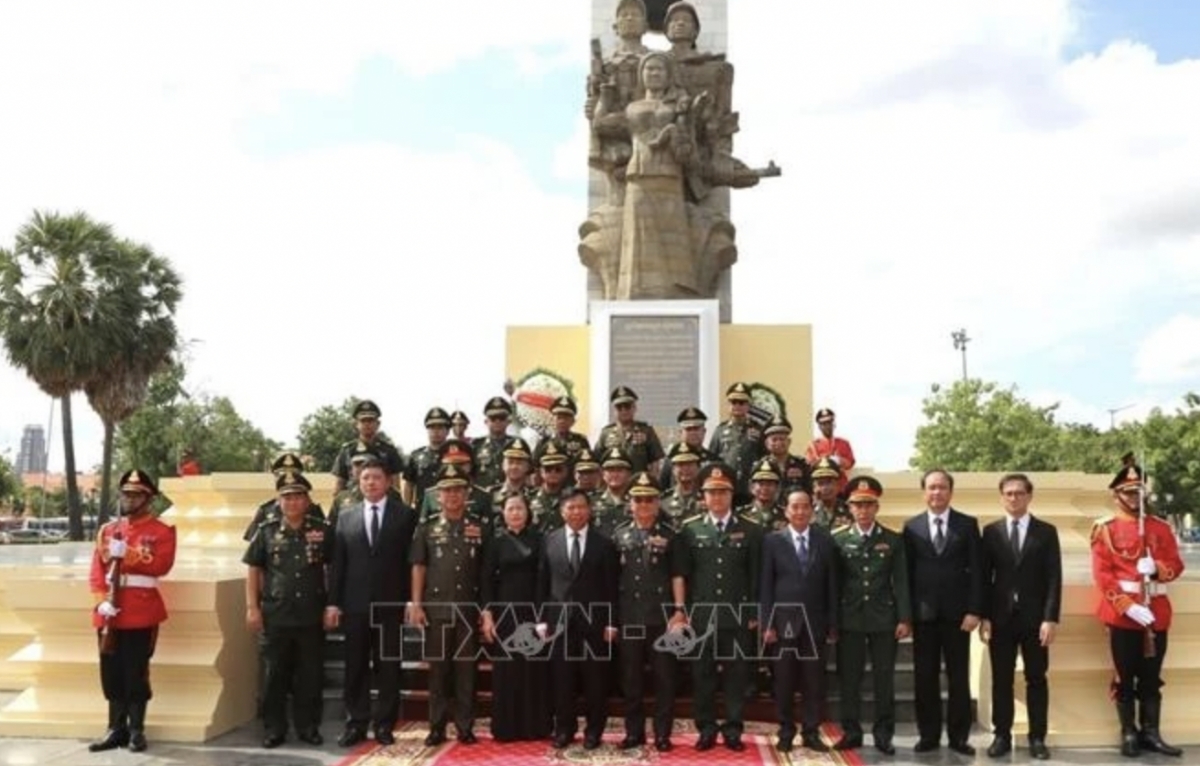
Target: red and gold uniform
138, 549
830, 446
1132, 562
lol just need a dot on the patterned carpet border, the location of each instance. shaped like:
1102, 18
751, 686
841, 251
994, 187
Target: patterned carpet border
410, 750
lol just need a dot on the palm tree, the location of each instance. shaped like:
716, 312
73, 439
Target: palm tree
144, 298
52, 315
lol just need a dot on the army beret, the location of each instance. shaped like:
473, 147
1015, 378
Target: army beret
366, 409
778, 425
451, 475
827, 468
738, 392
517, 448
717, 476
622, 395
691, 417
644, 486
615, 458
497, 406
292, 483
137, 480
586, 461
682, 452
554, 454
437, 417
564, 405
765, 470
825, 415
287, 461
864, 489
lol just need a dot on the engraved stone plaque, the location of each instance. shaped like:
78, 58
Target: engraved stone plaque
659, 358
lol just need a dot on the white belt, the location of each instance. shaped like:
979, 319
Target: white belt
1133, 586
138, 581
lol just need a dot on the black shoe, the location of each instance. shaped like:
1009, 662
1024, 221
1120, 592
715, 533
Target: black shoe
849, 742
926, 745
112, 739
631, 741
435, 737
734, 742
706, 741
137, 741
1001, 746
311, 737
562, 741
352, 736
885, 746
785, 743
272, 741
964, 748
814, 743
385, 737
591, 741
467, 737
662, 743
1038, 749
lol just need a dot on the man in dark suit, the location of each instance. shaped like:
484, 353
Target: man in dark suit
798, 606
1022, 581
577, 583
945, 573
370, 582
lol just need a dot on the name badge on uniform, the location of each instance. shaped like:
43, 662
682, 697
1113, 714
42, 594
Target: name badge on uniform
882, 547
736, 535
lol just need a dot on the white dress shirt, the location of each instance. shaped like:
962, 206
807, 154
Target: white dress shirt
945, 517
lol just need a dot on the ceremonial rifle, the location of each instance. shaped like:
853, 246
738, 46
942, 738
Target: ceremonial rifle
108, 639
1148, 648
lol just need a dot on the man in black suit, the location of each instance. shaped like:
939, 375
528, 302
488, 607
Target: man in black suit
370, 582
1022, 581
577, 584
798, 606
945, 575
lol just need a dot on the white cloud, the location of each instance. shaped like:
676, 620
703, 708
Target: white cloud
1171, 353
944, 166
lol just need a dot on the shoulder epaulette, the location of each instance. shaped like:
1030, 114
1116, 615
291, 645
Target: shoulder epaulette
747, 519
1100, 526
692, 519
839, 530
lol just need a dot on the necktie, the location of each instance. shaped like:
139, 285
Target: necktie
576, 553
374, 525
1015, 538
720, 527
802, 550
939, 537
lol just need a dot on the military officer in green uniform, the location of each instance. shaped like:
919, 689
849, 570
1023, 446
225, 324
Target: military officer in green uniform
828, 509
489, 450
724, 556
692, 428
447, 561
652, 600
285, 598
875, 613
764, 508
793, 470
269, 510
366, 422
737, 442
587, 473
610, 509
517, 467
352, 494
636, 437
564, 411
420, 473
479, 500
544, 512
683, 500
459, 422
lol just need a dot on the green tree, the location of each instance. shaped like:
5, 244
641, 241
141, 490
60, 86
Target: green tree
10, 482
1171, 444
149, 295
977, 426
324, 431
149, 438
58, 304
222, 439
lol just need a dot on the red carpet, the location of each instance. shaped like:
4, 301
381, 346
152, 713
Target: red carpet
409, 750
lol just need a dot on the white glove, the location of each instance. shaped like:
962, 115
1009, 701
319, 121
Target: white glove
1147, 567
1141, 615
116, 549
105, 609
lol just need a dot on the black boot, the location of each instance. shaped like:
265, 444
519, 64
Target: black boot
1149, 738
137, 727
1129, 732
117, 734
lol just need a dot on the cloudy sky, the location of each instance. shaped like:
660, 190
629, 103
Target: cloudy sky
361, 200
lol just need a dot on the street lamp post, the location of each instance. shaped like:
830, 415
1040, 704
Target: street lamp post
960, 344
1112, 415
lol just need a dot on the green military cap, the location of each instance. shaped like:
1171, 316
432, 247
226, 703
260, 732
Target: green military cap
586, 461
778, 425
615, 457
765, 470
827, 468
644, 486
825, 415
366, 409
622, 395
137, 480
718, 476
362, 453
286, 461
497, 406
517, 448
554, 454
682, 452
437, 417
564, 405
452, 475
292, 483
864, 489
738, 392
457, 452
691, 417
458, 417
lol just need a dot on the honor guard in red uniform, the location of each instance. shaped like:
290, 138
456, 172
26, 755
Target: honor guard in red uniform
1134, 556
131, 553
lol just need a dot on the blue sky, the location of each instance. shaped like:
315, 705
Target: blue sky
1170, 27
